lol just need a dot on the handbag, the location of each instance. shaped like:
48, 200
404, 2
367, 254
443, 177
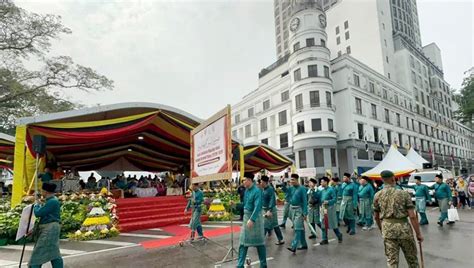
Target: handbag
453, 214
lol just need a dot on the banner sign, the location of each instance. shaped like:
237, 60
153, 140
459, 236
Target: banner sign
211, 149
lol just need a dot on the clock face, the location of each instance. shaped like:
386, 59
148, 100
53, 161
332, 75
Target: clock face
322, 20
294, 24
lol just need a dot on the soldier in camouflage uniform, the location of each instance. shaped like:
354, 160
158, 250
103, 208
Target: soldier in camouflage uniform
392, 209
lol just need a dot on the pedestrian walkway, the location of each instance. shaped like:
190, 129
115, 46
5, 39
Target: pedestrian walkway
10, 255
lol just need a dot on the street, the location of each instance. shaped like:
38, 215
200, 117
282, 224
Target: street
447, 246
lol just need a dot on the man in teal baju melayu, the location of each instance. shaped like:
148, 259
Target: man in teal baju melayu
286, 209
298, 214
195, 203
252, 231
350, 192
443, 196
328, 211
337, 187
47, 246
314, 203
422, 195
366, 197
270, 210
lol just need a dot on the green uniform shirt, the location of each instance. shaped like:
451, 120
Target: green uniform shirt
420, 190
269, 200
442, 190
299, 198
49, 212
253, 201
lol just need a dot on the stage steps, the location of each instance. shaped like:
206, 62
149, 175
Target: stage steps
152, 212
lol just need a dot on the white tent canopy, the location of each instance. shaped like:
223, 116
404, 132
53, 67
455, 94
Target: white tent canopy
393, 161
417, 159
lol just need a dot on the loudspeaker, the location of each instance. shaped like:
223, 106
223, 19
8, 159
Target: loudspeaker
427, 165
39, 144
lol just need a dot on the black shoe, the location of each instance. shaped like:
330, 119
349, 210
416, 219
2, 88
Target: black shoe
292, 250
348, 230
283, 225
352, 233
312, 236
339, 238
324, 242
279, 243
360, 224
302, 248
451, 222
440, 224
423, 223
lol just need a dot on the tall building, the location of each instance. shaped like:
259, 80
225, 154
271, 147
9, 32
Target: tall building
347, 84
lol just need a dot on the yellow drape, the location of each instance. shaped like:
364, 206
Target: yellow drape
19, 166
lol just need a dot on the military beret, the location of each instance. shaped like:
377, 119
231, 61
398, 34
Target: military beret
48, 187
265, 178
249, 175
386, 174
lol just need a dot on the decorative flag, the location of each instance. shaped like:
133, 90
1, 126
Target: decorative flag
366, 144
382, 145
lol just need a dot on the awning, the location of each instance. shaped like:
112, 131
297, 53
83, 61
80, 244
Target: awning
417, 159
262, 156
393, 161
7, 147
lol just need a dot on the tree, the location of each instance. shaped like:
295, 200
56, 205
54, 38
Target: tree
26, 36
465, 99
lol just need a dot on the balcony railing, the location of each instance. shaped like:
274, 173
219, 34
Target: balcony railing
316, 106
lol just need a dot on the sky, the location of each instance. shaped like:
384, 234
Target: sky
201, 55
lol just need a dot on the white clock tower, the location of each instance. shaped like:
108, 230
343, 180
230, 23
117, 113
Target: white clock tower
311, 90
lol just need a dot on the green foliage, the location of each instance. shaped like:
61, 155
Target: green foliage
27, 36
465, 99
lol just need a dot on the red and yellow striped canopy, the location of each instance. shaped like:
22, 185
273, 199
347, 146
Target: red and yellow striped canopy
7, 147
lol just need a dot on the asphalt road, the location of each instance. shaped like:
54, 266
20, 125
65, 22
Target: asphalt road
449, 246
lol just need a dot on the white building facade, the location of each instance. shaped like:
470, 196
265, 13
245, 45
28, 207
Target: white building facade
348, 87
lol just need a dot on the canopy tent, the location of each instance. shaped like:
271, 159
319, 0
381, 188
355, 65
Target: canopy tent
393, 161
262, 156
127, 136
417, 159
7, 146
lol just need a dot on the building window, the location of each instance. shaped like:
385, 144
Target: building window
237, 118
383, 26
328, 99
309, 42
285, 95
323, 43
296, 46
337, 30
399, 123
348, 50
316, 124
339, 53
360, 131
371, 87
282, 118
378, 156
384, 93
374, 111
362, 154
338, 40
389, 137
313, 70
356, 80
263, 125
297, 75
264, 141
250, 112
333, 158
347, 35
300, 127
387, 116
266, 105
376, 134
314, 98
346, 24
248, 131
318, 155
400, 139
234, 133
283, 140
358, 104
386, 59
326, 71
331, 125
302, 158
299, 102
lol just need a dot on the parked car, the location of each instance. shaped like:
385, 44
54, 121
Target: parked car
428, 179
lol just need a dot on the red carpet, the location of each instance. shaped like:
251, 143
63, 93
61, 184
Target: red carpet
183, 236
152, 212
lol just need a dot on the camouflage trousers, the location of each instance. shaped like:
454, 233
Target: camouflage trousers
392, 251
